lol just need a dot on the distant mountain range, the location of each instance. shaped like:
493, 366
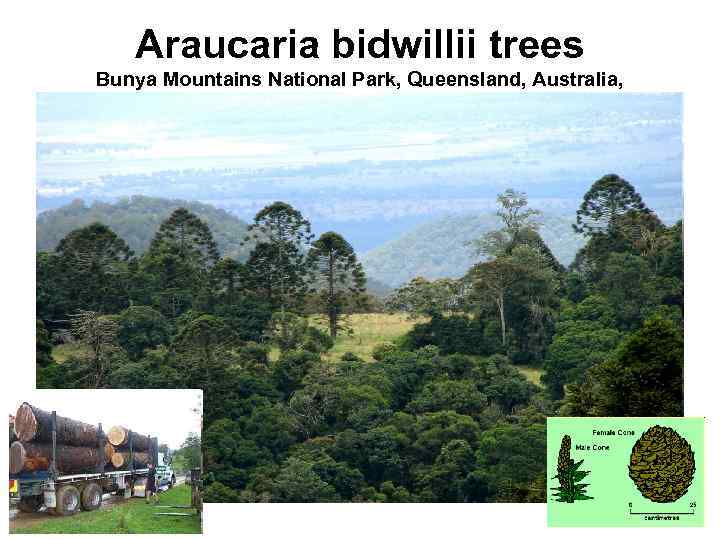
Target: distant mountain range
440, 248
136, 219
435, 249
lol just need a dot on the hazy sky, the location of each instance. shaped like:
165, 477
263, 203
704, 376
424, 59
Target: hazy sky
169, 415
84, 136
358, 164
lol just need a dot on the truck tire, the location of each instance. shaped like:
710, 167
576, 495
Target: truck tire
30, 504
67, 501
91, 497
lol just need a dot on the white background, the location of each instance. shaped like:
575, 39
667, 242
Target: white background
655, 46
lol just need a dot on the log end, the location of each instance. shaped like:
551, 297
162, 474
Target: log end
26, 424
109, 452
118, 460
117, 435
17, 457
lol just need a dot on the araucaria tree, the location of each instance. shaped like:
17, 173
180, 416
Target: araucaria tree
180, 256
99, 335
338, 274
186, 235
607, 200
90, 269
278, 267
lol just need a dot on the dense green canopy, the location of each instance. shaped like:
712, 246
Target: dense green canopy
449, 411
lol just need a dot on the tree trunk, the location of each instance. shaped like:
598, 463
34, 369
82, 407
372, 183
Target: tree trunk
119, 437
333, 324
33, 424
122, 459
331, 297
501, 309
28, 457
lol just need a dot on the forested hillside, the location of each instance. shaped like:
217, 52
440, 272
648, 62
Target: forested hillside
442, 248
443, 412
135, 219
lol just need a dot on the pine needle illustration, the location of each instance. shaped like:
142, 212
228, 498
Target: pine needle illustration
569, 476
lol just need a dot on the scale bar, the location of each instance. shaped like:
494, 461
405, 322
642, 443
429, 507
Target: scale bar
663, 513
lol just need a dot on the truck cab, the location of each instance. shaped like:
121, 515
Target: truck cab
164, 473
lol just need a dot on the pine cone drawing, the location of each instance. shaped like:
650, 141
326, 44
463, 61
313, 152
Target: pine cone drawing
564, 462
662, 465
569, 476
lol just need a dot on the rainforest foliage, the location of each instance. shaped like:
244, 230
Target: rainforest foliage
443, 413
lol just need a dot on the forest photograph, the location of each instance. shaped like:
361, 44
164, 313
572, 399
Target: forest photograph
382, 301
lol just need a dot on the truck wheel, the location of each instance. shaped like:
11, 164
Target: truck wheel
30, 504
91, 497
67, 501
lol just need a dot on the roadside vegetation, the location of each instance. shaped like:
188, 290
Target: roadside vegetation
131, 516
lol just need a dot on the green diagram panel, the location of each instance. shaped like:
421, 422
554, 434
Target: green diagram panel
625, 472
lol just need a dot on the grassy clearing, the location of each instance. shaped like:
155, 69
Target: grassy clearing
369, 329
532, 374
133, 516
62, 352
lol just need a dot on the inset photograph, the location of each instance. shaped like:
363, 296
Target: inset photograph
106, 461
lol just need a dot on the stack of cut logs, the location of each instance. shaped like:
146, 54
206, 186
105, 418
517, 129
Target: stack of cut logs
79, 447
119, 439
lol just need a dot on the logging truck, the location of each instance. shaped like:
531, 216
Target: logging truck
38, 472
64, 495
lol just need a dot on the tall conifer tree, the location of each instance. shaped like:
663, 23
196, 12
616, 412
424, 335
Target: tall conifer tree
605, 201
338, 275
277, 262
